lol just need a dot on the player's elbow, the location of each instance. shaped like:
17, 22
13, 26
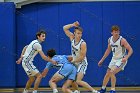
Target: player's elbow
64, 28
43, 57
131, 50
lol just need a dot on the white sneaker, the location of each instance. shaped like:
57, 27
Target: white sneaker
35, 91
95, 91
25, 91
76, 91
55, 91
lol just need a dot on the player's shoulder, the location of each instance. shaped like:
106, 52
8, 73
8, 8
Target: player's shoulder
35, 42
83, 41
110, 38
123, 39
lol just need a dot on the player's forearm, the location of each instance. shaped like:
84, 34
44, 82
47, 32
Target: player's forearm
130, 52
107, 52
67, 27
47, 59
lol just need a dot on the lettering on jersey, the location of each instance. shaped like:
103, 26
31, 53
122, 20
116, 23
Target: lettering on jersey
114, 45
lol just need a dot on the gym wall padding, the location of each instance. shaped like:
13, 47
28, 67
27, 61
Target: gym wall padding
7, 45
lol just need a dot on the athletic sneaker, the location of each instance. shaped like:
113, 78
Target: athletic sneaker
35, 91
25, 91
76, 91
112, 91
102, 90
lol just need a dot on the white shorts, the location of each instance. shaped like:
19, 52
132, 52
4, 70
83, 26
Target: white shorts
117, 63
82, 67
29, 68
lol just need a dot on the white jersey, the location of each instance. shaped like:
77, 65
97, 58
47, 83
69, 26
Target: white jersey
117, 50
75, 49
32, 51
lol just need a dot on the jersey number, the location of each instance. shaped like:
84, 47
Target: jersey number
113, 50
74, 52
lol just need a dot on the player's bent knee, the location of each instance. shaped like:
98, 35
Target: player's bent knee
31, 80
78, 82
108, 74
51, 81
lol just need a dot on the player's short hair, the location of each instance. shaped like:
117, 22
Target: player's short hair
51, 52
41, 31
78, 28
115, 27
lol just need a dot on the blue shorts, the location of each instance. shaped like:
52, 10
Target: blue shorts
69, 71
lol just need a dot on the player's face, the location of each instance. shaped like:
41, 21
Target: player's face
115, 32
42, 37
78, 34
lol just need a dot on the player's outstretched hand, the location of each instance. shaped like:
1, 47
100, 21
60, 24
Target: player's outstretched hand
100, 63
19, 60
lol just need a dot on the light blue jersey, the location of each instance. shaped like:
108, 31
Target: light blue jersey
61, 59
66, 68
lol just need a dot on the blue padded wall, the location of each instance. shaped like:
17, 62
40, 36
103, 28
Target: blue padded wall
7, 45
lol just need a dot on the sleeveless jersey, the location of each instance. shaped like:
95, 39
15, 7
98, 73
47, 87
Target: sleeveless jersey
117, 50
32, 51
75, 49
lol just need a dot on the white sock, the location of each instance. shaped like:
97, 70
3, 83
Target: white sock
103, 87
113, 89
55, 90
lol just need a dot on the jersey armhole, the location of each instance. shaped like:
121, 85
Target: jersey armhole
33, 46
121, 42
109, 40
81, 44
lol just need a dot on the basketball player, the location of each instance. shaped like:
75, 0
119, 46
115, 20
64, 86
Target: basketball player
27, 57
78, 49
49, 66
67, 70
118, 45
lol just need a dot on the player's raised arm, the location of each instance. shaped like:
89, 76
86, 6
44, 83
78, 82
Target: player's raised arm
67, 27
